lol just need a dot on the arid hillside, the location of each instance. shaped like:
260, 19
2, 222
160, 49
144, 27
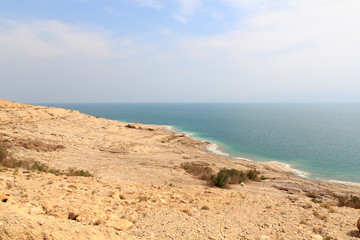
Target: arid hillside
139, 189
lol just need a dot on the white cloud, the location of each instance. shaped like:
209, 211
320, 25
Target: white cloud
50, 39
294, 51
150, 3
187, 9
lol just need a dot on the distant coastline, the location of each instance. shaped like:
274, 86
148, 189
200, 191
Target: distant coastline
303, 137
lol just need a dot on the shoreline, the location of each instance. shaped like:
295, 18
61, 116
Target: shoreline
272, 166
286, 167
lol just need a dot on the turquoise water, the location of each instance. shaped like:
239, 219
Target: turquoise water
322, 140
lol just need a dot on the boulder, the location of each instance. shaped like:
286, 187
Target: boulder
123, 225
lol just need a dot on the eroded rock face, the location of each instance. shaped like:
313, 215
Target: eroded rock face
358, 224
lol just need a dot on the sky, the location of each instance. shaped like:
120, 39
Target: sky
180, 50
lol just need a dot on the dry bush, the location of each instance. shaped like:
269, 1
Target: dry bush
8, 161
200, 171
349, 201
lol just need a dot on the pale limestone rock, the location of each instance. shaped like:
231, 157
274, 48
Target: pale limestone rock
36, 211
317, 237
263, 237
123, 225
112, 217
47, 206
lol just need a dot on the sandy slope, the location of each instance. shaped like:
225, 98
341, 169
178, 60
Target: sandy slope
139, 165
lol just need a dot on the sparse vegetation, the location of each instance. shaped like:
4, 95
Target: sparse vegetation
77, 172
223, 178
142, 198
263, 178
319, 216
8, 161
130, 126
3, 154
232, 176
314, 200
349, 201
303, 222
200, 171
311, 194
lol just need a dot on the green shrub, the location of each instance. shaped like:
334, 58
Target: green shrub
221, 179
130, 126
232, 176
252, 174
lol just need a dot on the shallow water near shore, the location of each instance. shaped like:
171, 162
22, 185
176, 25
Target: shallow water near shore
321, 140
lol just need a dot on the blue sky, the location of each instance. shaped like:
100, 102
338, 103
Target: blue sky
180, 50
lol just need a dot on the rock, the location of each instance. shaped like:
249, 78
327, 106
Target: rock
73, 215
358, 224
4, 198
47, 206
67, 189
242, 184
317, 237
123, 225
112, 217
36, 211
263, 237
163, 201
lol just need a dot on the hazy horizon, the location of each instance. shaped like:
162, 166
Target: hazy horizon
196, 51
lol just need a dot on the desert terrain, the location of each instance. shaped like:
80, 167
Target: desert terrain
139, 191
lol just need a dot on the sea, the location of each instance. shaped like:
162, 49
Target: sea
318, 141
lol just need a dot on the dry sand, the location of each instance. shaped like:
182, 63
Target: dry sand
140, 192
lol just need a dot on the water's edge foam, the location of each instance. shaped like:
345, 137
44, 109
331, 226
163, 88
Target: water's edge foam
214, 148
